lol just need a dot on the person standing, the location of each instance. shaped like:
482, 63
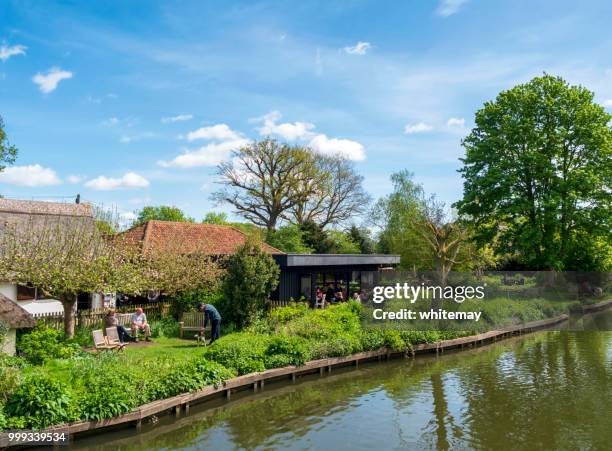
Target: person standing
211, 314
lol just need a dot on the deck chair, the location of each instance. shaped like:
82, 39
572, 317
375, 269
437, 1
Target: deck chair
100, 342
112, 337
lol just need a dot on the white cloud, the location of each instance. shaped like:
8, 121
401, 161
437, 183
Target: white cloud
287, 130
607, 103
449, 7
220, 132
111, 121
74, 179
456, 122
125, 140
177, 118
127, 181
421, 127
33, 175
6, 52
361, 48
331, 146
209, 155
48, 81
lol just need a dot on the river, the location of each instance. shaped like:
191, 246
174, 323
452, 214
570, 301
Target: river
548, 390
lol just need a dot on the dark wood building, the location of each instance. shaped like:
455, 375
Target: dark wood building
302, 274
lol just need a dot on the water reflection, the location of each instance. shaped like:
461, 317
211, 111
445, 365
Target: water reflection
550, 390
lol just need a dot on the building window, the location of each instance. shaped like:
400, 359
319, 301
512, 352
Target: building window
305, 281
26, 293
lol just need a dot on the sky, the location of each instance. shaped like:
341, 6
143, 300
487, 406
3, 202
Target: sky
134, 103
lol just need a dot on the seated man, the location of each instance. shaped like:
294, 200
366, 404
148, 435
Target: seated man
112, 321
139, 322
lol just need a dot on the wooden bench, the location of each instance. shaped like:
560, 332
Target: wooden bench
193, 321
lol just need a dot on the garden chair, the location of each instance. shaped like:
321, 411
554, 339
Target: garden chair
101, 343
112, 337
320, 303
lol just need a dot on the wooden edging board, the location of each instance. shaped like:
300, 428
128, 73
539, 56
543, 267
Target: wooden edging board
256, 380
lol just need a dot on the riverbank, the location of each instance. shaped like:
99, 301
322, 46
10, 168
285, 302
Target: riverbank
257, 380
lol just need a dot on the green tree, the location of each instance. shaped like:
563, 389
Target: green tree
161, 213
264, 180
8, 152
215, 218
63, 260
337, 193
363, 238
251, 276
537, 173
396, 216
288, 238
316, 238
342, 243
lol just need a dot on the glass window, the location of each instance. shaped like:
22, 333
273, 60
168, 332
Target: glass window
305, 286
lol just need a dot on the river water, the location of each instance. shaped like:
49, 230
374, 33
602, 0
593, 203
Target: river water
548, 390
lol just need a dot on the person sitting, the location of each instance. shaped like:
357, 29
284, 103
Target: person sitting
211, 313
112, 321
356, 296
339, 296
329, 294
139, 322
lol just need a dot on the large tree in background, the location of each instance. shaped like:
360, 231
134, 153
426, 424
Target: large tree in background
161, 213
420, 229
396, 215
337, 194
8, 152
537, 176
266, 179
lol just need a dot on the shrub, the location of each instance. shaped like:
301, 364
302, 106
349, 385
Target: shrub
108, 396
44, 343
10, 377
394, 340
285, 314
2, 418
243, 352
251, 275
372, 340
284, 351
41, 401
165, 327
338, 346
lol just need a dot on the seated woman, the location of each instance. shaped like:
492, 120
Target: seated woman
339, 296
112, 321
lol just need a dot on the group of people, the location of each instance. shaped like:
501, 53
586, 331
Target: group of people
334, 296
139, 324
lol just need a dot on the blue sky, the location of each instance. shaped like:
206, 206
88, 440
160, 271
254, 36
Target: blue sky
134, 102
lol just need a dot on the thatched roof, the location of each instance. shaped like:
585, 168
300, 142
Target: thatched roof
14, 315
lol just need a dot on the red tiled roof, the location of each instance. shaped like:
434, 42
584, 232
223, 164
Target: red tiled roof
210, 239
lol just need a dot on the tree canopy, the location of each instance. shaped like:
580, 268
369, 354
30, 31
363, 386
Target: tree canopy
8, 152
537, 174
266, 179
269, 183
161, 213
